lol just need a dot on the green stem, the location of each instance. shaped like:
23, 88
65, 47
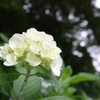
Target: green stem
23, 85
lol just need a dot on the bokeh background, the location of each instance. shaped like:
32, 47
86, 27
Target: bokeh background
75, 25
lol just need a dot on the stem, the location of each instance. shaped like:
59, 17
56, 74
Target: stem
23, 85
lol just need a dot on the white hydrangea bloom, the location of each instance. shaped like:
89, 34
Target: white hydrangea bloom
11, 60
56, 66
35, 35
35, 47
50, 50
18, 44
32, 59
4, 50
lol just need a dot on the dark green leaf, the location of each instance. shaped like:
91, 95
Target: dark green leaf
56, 98
3, 97
8, 74
4, 37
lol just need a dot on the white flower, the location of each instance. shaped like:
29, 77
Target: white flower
50, 50
32, 59
18, 44
11, 60
4, 50
35, 35
56, 66
16, 41
49, 53
35, 47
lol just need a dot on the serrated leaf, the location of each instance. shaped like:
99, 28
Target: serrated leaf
8, 74
83, 77
56, 98
4, 37
32, 87
49, 77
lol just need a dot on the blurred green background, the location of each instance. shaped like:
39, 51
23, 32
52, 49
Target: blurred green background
75, 25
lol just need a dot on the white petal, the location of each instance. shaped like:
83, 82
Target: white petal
35, 48
35, 35
11, 60
49, 37
56, 66
16, 41
55, 71
58, 49
9, 64
31, 30
32, 59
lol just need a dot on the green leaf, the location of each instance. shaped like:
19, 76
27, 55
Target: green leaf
3, 97
65, 76
66, 72
8, 74
69, 91
32, 87
49, 77
4, 89
84, 96
56, 98
19, 64
83, 77
2, 59
4, 37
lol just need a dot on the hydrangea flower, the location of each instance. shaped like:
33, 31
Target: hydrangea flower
35, 47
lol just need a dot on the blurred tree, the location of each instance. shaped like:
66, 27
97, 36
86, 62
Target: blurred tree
65, 20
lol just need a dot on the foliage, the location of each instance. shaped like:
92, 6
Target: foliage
8, 75
32, 87
68, 83
60, 88
56, 98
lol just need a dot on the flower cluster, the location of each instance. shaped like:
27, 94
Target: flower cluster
36, 48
